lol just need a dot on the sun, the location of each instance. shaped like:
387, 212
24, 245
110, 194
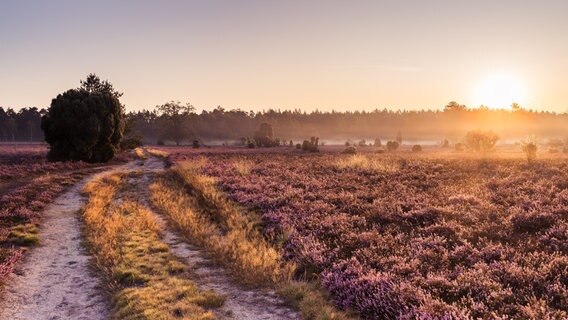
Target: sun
499, 91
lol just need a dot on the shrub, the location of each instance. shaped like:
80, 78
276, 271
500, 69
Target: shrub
416, 148
445, 143
195, 144
529, 147
460, 147
312, 145
378, 142
264, 136
298, 146
130, 143
392, 145
481, 141
83, 125
160, 142
350, 150
362, 143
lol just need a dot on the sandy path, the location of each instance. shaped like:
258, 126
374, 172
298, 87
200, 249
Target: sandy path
240, 303
55, 281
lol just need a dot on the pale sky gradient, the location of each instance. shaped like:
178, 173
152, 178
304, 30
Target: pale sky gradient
254, 55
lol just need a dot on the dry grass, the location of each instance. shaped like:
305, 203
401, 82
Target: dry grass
231, 239
157, 153
144, 278
205, 216
367, 162
140, 153
243, 167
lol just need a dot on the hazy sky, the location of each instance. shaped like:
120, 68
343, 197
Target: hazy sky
289, 54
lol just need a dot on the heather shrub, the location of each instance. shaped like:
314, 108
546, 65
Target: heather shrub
416, 148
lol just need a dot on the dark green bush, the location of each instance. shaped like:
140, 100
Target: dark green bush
83, 125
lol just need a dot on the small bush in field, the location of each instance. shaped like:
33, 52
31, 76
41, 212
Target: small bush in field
459, 147
392, 145
298, 146
416, 148
312, 145
481, 141
350, 150
529, 147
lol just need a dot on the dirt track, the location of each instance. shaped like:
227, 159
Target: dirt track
55, 280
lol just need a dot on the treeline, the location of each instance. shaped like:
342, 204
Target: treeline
21, 126
176, 123
221, 125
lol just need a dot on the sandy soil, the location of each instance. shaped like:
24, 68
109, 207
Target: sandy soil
55, 281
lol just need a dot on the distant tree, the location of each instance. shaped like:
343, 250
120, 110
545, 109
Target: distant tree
378, 142
529, 147
445, 143
175, 121
264, 136
481, 141
362, 143
311, 145
399, 137
84, 125
416, 148
132, 137
93, 84
454, 106
392, 145
516, 107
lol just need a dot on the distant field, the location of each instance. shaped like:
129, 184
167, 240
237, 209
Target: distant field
416, 235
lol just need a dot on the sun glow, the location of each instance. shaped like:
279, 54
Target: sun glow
499, 91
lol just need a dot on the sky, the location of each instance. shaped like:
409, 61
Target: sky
260, 54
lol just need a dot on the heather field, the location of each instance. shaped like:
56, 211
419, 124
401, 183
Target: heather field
410, 236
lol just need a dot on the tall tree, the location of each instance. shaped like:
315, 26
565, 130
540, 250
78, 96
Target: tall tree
175, 121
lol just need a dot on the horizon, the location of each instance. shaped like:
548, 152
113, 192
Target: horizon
258, 56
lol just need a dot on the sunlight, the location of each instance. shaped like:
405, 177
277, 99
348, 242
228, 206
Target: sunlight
499, 91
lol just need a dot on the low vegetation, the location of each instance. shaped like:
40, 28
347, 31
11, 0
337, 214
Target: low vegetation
455, 238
